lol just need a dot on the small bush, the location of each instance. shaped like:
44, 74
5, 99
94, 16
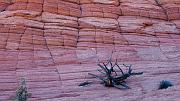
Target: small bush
22, 93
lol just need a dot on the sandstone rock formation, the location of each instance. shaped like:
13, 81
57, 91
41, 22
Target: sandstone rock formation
55, 43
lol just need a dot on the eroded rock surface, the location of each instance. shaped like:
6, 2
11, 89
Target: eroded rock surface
55, 43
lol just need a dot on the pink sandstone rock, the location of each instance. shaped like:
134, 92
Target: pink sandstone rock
54, 44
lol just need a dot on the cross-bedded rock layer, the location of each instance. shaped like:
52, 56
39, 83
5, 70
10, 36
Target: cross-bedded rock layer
54, 43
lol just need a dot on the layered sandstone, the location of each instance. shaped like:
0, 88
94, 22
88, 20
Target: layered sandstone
55, 43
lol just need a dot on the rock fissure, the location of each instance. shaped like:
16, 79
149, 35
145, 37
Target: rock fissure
158, 2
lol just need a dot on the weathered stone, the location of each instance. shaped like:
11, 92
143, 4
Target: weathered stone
92, 22
54, 44
50, 7
114, 2
17, 6
59, 20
